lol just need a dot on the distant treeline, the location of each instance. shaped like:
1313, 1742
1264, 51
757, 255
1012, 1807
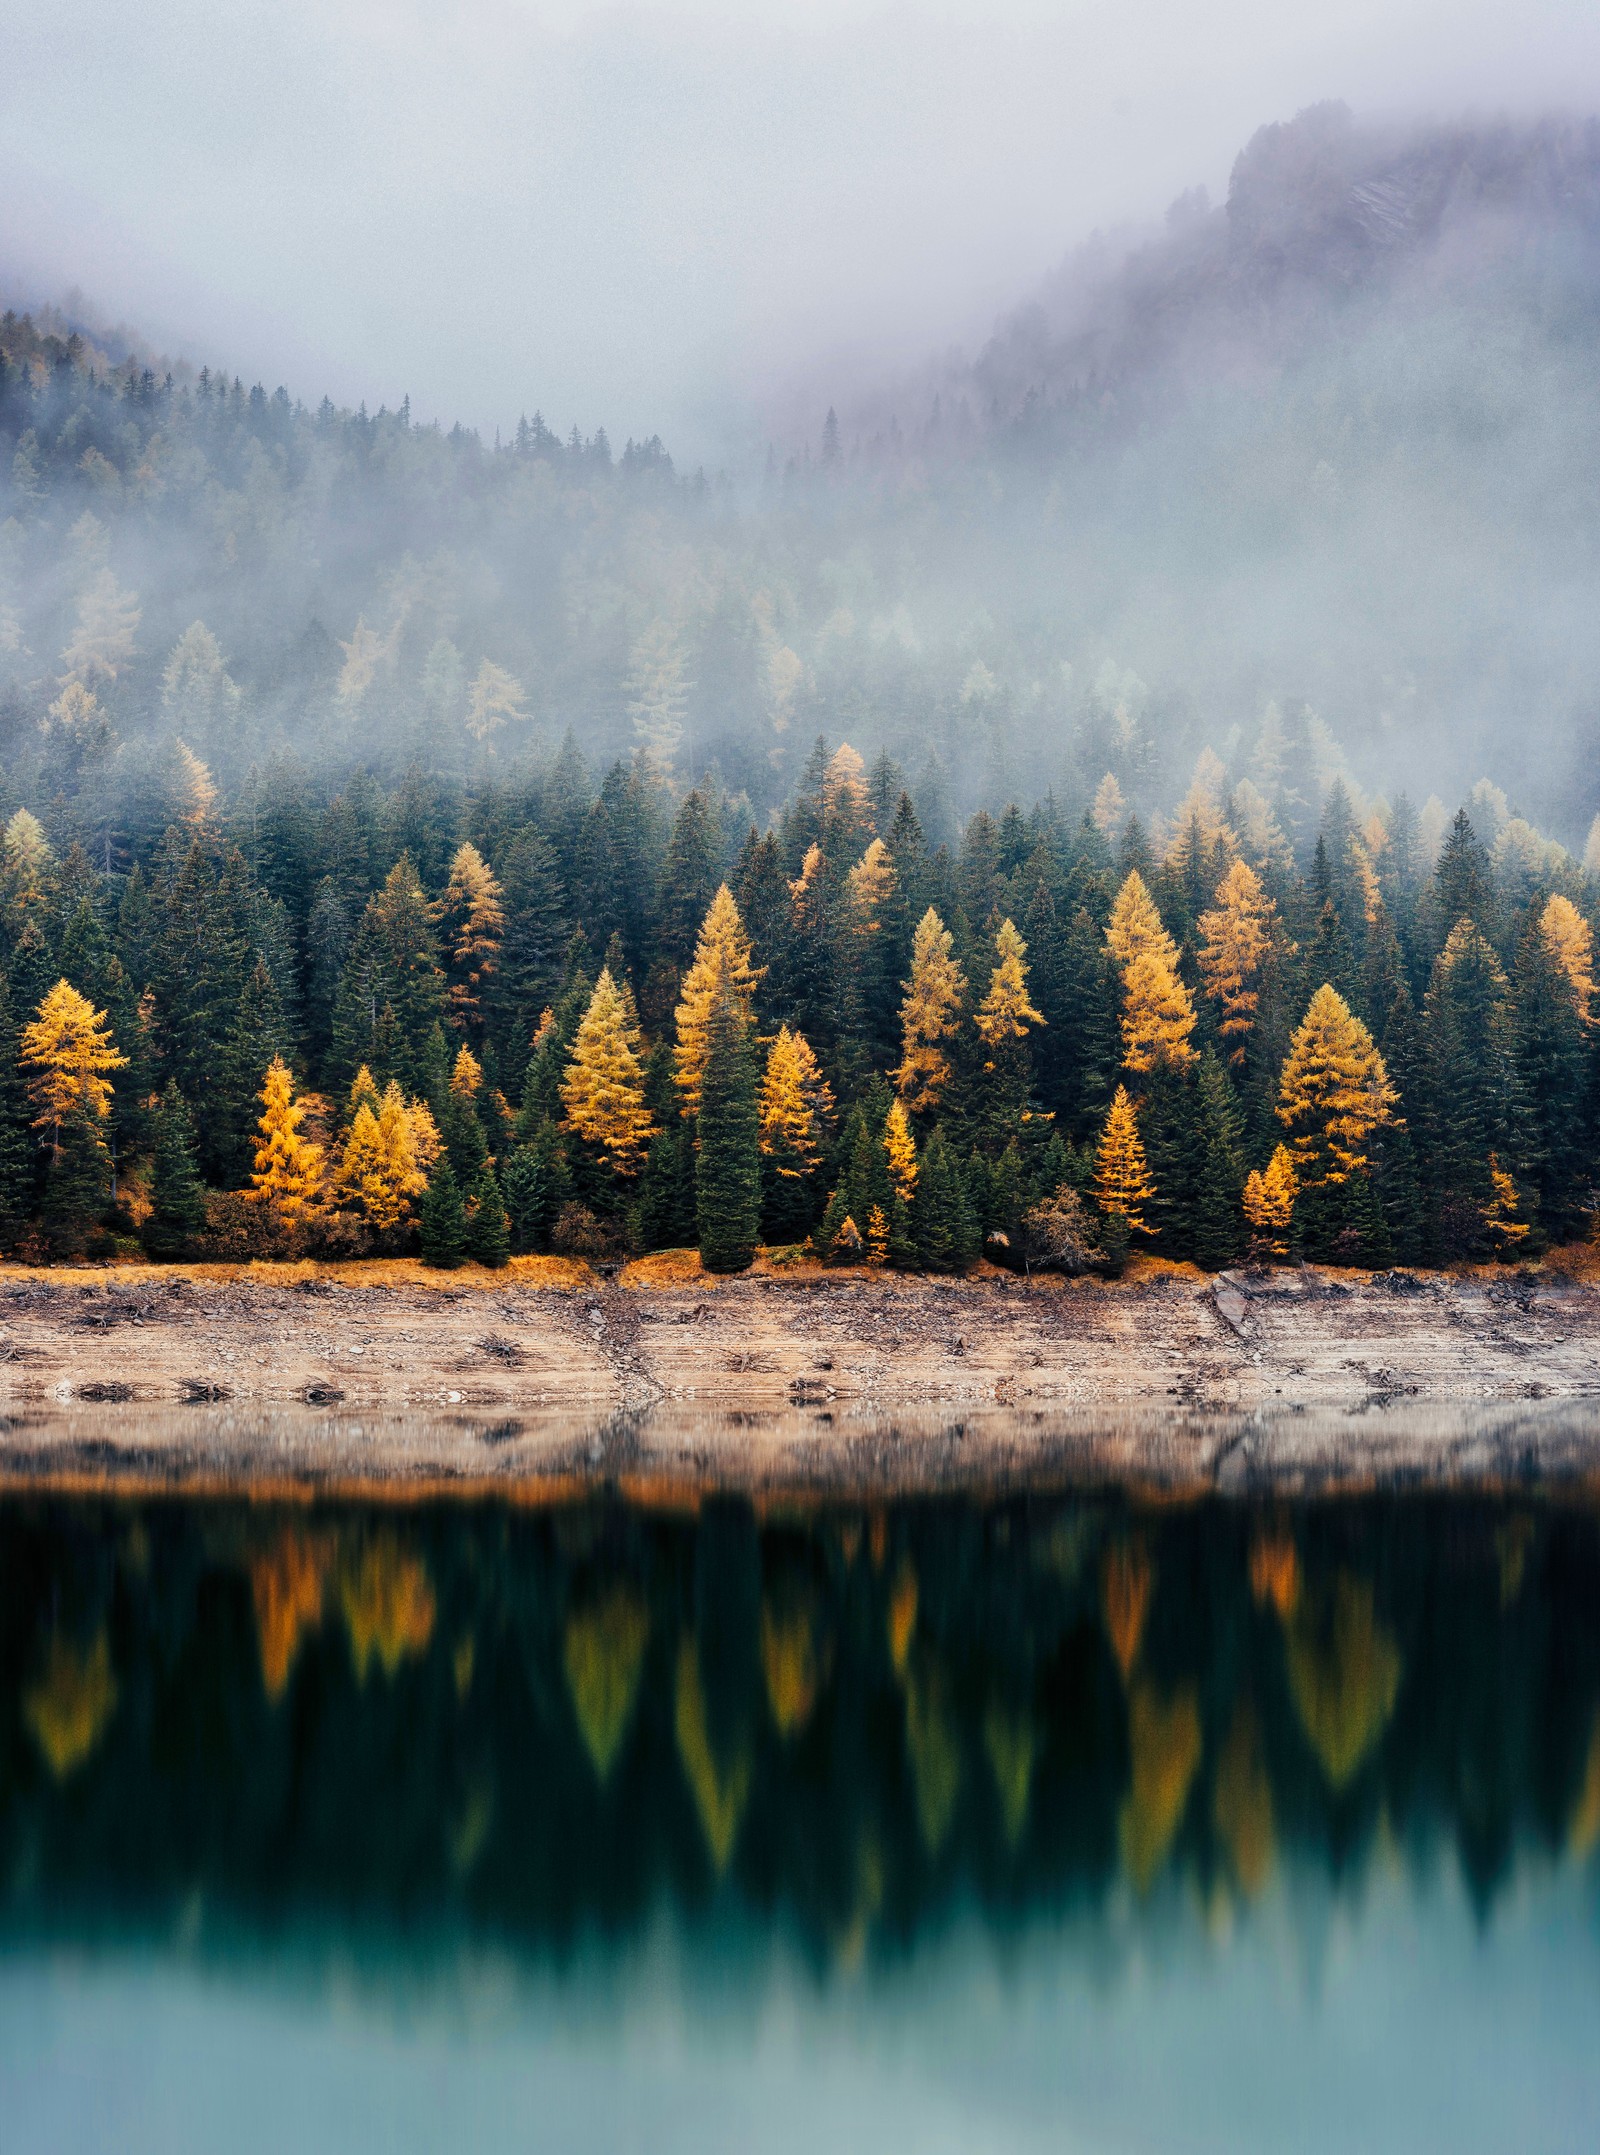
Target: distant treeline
611, 1017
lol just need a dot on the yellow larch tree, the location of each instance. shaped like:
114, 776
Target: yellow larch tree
929, 1016
1135, 924
721, 968
603, 1089
900, 1150
1006, 1012
466, 1074
1110, 809
1122, 1184
1157, 1010
472, 919
796, 1106
1334, 1092
869, 887
388, 1154
1237, 938
67, 1050
288, 1167
844, 784
1269, 1195
1568, 939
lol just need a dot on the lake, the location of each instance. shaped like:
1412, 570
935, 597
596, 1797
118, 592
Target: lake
1043, 1818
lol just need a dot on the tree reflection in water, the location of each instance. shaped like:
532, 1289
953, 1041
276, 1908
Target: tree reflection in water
532, 1724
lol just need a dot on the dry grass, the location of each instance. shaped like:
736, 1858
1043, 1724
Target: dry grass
559, 1273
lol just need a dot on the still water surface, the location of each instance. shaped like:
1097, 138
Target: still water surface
1038, 1821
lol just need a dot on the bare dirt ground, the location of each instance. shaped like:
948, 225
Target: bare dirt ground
386, 1372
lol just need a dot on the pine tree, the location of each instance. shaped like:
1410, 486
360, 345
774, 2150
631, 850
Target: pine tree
522, 1185
728, 1168
488, 1236
943, 1229
177, 1195
929, 1016
1470, 1035
870, 962
16, 1141
288, 1166
603, 1090
1216, 1233
391, 991
722, 969
1237, 940
692, 873
1551, 1007
1087, 1044
1122, 1184
444, 1221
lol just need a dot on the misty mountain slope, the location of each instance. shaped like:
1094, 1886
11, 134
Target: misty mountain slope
1335, 441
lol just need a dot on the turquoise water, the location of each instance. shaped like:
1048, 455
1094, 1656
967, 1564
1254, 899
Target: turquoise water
1048, 1821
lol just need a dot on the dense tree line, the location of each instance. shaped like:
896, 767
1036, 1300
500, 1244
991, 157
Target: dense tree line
550, 1013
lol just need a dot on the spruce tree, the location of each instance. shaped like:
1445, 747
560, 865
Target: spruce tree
728, 1169
443, 1220
17, 1149
524, 1186
177, 1195
488, 1238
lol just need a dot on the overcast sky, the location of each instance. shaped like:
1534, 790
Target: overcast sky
646, 216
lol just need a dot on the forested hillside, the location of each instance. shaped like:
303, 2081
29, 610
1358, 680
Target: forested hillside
407, 836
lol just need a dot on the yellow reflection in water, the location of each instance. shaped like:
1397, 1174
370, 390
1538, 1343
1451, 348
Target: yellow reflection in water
792, 1660
902, 1616
1126, 1585
934, 1750
1583, 1834
287, 1583
720, 1791
1344, 1673
70, 1705
1012, 1743
388, 1604
604, 1655
1241, 1802
1164, 1742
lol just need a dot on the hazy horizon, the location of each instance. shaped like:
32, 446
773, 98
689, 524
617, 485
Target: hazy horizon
690, 221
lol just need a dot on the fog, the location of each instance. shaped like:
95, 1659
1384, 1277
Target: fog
656, 219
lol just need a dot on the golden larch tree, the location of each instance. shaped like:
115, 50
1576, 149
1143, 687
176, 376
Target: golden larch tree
869, 887
67, 1050
1237, 934
288, 1166
472, 920
1568, 939
721, 968
1110, 809
929, 1016
900, 1150
1269, 1195
603, 1089
466, 1074
796, 1106
1122, 1183
1006, 1012
1334, 1092
1135, 924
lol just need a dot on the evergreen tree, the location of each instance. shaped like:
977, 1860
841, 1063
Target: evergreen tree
488, 1236
728, 1169
1470, 1035
1217, 1232
1551, 1007
16, 1141
943, 1229
177, 1195
444, 1221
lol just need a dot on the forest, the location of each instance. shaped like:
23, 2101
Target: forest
603, 1016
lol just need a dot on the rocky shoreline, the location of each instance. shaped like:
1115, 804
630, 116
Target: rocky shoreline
389, 1373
